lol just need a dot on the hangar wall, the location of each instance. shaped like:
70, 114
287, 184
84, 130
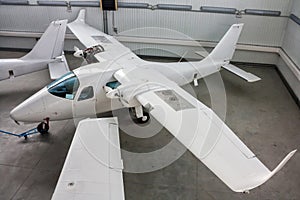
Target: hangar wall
259, 30
291, 45
19, 24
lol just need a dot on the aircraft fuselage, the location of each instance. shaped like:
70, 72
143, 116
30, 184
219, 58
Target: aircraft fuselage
10, 68
59, 105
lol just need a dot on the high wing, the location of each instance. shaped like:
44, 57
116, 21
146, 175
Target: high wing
90, 37
93, 167
197, 127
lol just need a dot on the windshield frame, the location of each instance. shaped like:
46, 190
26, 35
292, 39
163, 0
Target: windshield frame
64, 78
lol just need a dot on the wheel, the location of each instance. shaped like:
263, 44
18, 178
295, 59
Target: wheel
141, 120
43, 128
144, 119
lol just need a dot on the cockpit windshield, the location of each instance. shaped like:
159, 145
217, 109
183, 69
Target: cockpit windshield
65, 87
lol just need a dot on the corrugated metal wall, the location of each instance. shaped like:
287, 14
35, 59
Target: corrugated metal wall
258, 30
37, 18
291, 45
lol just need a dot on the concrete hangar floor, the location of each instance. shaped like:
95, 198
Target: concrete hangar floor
263, 114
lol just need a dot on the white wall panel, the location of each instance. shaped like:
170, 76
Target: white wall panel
296, 7
37, 18
290, 77
259, 30
280, 5
291, 44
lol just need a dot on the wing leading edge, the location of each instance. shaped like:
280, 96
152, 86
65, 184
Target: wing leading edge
93, 167
199, 129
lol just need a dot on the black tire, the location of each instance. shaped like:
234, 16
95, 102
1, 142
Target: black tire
138, 120
141, 121
43, 128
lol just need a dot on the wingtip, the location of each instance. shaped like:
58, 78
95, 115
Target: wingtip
268, 176
292, 153
283, 162
254, 80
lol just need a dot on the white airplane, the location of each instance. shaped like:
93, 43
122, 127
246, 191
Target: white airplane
93, 167
47, 51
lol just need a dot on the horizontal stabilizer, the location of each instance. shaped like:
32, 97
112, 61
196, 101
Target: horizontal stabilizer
241, 73
58, 68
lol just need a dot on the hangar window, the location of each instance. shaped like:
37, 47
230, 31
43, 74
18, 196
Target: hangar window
65, 87
86, 93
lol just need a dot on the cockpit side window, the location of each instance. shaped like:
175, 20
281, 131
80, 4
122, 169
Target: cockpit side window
65, 87
113, 84
86, 93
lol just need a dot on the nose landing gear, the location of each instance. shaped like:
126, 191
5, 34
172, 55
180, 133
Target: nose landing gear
43, 127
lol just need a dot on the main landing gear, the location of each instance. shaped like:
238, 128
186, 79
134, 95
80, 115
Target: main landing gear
139, 115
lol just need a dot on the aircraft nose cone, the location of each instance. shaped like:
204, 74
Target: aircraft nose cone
31, 110
19, 113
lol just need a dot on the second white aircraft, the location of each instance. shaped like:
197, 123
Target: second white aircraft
47, 52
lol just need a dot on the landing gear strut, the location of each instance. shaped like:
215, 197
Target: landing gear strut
43, 127
139, 115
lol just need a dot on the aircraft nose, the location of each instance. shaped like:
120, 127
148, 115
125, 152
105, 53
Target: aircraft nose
31, 110
19, 113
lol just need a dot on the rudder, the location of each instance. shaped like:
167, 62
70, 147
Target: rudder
51, 44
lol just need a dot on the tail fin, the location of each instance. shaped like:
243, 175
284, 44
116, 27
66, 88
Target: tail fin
225, 49
51, 44
81, 16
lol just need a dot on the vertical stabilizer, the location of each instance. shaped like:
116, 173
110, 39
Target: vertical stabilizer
51, 44
81, 16
226, 47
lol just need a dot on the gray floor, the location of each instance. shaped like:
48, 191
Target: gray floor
262, 114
